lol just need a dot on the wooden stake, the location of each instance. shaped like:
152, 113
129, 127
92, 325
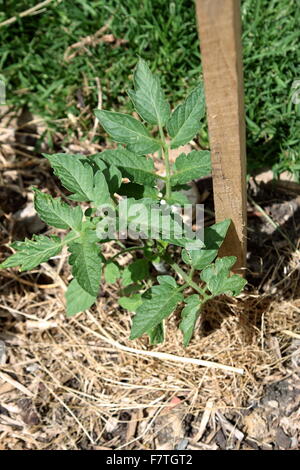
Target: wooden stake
219, 27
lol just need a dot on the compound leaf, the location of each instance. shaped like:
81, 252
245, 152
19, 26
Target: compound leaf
178, 198
185, 119
138, 191
156, 335
86, 264
74, 175
163, 301
31, 253
131, 303
189, 317
111, 272
218, 279
136, 271
78, 299
57, 213
168, 281
138, 169
101, 190
213, 239
192, 166
125, 129
113, 177
148, 97
146, 218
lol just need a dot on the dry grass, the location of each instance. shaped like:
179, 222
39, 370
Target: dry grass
78, 387
63, 385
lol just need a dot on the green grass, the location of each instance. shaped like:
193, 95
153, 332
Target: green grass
164, 33
271, 64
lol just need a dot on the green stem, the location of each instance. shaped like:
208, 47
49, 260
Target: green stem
168, 173
191, 273
184, 286
165, 152
131, 248
188, 279
67, 240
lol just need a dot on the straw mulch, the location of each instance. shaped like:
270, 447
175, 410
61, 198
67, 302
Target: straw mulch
65, 386
71, 383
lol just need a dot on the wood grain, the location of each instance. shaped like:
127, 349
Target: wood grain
219, 27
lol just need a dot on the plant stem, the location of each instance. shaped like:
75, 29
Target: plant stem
191, 273
184, 286
188, 279
165, 152
168, 172
131, 248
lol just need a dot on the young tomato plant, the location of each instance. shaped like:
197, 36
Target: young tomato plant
125, 193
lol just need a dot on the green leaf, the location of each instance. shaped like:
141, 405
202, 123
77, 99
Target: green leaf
78, 299
97, 163
178, 198
56, 213
192, 166
127, 130
137, 191
88, 232
156, 335
168, 281
111, 272
216, 233
111, 173
74, 175
189, 316
113, 177
199, 259
162, 303
31, 253
86, 261
180, 236
131, 303
185, 242
109, 181
218, 279
213, 239
136, 271
185, 119
146, 218
138, 169
101, 191
148, 97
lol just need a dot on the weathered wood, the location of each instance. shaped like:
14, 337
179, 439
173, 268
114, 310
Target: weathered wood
219, 27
